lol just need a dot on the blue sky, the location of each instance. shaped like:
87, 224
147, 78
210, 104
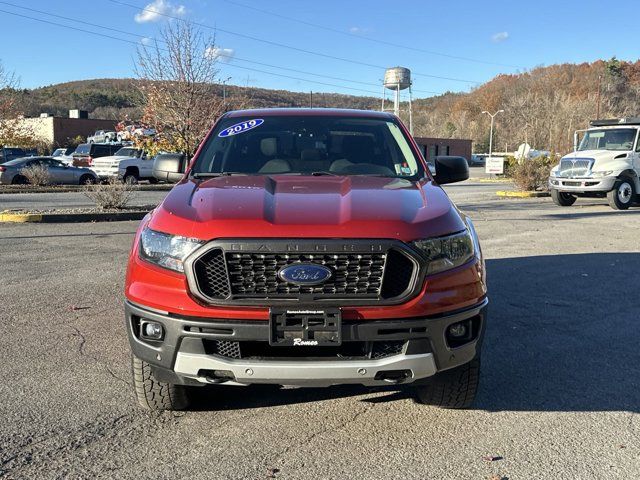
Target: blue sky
500, 36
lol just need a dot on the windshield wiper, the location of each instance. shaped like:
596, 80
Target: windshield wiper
214, 174
324, 172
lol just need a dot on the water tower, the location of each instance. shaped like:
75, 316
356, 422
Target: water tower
396, 79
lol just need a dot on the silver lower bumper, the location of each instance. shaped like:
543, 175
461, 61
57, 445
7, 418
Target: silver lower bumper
306, 373
582, 184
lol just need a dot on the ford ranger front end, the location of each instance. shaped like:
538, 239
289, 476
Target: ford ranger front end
307, 248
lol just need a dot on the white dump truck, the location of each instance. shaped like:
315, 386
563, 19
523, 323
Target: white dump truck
604, 163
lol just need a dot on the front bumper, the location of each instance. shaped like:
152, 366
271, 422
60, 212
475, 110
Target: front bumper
105, 174
578, 185
182, 357
308, 373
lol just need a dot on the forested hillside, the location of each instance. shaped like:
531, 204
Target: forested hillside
542, 106
115, 98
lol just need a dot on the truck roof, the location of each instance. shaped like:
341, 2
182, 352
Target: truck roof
615, 121
335, 112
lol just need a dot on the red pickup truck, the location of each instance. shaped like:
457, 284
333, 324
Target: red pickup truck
307, 247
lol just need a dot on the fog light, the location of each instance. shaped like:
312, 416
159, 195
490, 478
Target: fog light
152, 330
458, 330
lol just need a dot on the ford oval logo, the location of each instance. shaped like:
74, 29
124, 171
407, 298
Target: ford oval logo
305, 274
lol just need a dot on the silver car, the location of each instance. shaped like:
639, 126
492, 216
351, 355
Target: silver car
11, 171
102, 136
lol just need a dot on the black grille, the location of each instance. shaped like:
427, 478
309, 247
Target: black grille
223, 348
211, 273
262, 350
247, 272
386, 349
256, 274
398, 275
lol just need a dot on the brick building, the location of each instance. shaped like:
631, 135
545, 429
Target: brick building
57, 131
432, 147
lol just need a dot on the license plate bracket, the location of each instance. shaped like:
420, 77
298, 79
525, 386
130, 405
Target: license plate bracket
308, 327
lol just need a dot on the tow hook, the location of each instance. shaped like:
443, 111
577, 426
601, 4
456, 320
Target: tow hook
393, 376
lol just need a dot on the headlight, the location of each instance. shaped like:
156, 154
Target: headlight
168, 251
602, 173
445, 253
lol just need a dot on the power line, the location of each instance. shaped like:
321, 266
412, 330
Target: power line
369, 39
72, 19
138, 44
303, 79
69, 27
282, 45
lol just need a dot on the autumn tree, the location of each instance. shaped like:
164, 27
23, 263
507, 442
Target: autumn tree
12, 131
178, 72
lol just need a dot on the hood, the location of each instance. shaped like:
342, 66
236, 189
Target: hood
307, 207
111, 159
598, 155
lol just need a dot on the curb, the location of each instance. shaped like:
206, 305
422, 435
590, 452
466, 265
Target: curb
516, 194
8, 217
489, 180
78, 189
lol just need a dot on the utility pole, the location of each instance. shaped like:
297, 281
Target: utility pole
598, 97
311, 98
491, 131
224, 92
396, 104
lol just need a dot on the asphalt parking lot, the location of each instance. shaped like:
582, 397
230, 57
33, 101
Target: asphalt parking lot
559, 395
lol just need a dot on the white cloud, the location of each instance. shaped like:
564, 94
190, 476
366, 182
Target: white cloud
499, 37
359, 30
145, 41
158, 10
221, 54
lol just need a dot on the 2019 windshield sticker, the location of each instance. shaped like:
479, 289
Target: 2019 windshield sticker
241, 127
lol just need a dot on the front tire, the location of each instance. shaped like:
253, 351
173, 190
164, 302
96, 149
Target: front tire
87, 180
622, 195
454, 388
562, 199
130, 178
19, 180
154, 395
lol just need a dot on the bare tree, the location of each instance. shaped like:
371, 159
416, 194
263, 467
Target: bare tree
12, 130
178, 72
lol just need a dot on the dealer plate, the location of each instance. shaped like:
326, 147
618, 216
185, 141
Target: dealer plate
305, 327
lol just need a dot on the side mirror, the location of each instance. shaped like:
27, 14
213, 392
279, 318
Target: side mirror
451, 169
169, 167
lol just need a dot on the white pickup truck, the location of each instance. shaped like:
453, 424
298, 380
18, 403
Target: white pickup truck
129, 164
606, 163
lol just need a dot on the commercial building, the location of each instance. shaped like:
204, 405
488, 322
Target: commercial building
57, 131
432, 147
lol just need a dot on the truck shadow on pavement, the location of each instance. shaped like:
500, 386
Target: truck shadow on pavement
563, 335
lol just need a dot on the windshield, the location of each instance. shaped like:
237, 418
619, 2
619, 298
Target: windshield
303, 145
14, 151
608, 139
128, 152
83, 148
17, 161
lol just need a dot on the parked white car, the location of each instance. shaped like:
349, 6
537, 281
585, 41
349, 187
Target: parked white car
129, 163
606, 163
132, 131
102, 136
64, 155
